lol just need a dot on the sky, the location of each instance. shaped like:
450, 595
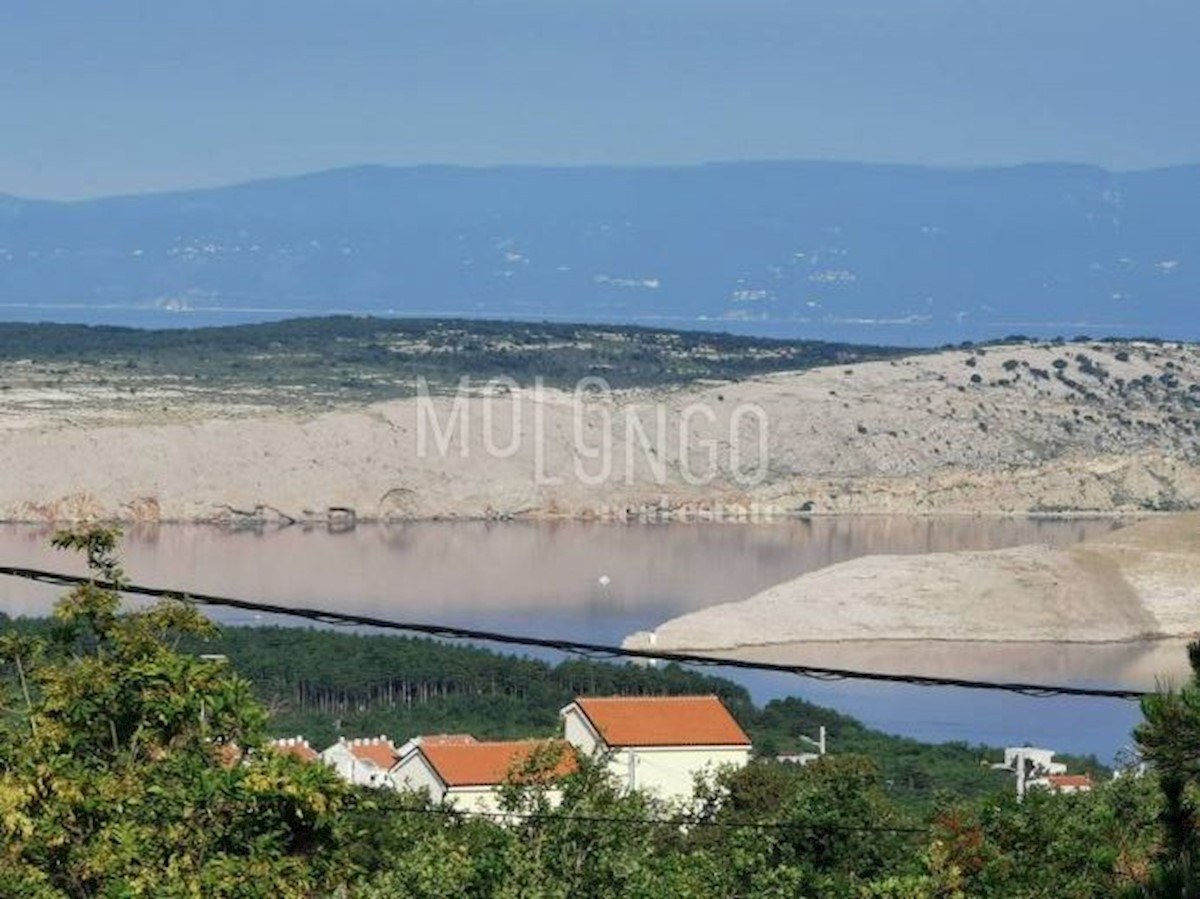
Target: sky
132, 96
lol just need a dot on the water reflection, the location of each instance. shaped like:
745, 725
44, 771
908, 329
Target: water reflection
548, 575
547, 579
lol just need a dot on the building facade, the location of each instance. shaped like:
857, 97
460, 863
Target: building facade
658, 745
469, 775
365, 762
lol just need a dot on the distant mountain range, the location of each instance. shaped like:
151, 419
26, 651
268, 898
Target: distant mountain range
773, 247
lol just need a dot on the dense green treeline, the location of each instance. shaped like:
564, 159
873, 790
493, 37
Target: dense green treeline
378, 357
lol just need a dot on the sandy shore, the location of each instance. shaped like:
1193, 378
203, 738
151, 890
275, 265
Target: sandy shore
1140, 583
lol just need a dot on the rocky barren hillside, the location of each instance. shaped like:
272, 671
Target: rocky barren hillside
1141, 582
1027, 427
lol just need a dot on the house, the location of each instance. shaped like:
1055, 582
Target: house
294, 746
467, 775
657, 744
1032, 766
1064, 783
365, 762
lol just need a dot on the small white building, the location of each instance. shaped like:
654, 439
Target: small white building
467, 775
1037, 761
365, 762
798, 758
1032, 766
657, 744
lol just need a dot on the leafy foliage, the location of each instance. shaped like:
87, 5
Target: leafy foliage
1170, 739
129, 768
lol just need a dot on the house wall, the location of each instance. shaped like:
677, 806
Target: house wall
374, 776
353, 769
486, 800
669, 773
339, 758
415, 773
474, 799
579, 733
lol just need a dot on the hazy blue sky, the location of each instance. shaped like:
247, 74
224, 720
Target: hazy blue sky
125, 96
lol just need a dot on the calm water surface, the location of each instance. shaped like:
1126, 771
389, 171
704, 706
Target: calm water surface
600, 582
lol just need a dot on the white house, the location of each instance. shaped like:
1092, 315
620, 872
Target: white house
1031, 765
364, 762
657, 744
467, 775
1038, 761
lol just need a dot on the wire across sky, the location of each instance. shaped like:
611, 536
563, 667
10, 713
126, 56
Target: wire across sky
571, 647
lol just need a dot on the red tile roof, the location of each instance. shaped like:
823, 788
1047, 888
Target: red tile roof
379, 751
486, 764
1070, 781
663, 721
297, 746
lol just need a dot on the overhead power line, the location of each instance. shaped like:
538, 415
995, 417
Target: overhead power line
573, 647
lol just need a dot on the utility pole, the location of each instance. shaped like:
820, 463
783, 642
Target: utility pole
819, 743
1021, 765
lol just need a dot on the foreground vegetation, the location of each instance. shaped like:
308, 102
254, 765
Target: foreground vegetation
129, 767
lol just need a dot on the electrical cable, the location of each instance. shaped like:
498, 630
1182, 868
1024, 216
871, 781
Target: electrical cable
573, 647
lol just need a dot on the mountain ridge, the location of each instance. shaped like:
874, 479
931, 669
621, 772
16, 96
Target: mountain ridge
945, 253
385, 168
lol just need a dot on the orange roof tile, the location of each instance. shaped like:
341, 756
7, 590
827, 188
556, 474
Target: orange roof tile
380, 752
1078, 781
663, 721
297, 746
485, 764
